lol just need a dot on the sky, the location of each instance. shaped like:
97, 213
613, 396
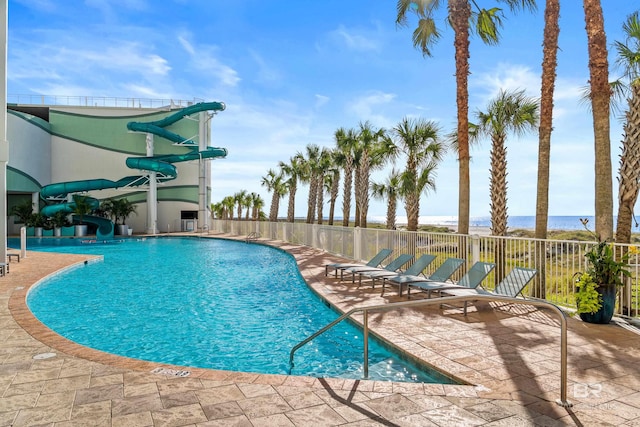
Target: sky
292, 72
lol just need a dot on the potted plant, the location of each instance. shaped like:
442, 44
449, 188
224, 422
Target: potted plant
81, 207
38, 222
597, 286
59, 220
22, 211
123, 208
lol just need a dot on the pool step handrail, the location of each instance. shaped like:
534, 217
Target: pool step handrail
445, 300
254, 235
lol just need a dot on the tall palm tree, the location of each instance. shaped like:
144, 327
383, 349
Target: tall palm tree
229, 203
240, 197
309, 175
292, 170
388, 190
600, 94
549, 66
217, 210
257, 203
509, 112
629, 89
346, 142
274, 182
419, 140
324, 163
370, 143
332, 185
486, 23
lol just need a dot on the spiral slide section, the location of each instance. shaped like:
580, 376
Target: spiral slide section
162, 164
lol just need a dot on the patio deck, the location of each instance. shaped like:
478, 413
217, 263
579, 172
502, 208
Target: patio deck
511, 358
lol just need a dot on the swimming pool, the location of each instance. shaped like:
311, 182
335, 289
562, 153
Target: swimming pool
207, 303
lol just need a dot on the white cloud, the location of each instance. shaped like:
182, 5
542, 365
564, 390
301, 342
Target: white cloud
353, 40
369, 107
321, 100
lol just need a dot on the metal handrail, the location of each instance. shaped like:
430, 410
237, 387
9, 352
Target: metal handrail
444, 300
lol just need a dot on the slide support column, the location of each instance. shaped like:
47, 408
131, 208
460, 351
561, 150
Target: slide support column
152, 194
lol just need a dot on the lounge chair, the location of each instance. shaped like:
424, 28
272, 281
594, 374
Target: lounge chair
471, 280
441, 274
394, 265
374, 262
511, 286
415, 269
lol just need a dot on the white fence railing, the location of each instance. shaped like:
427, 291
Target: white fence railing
557, 261
98, 101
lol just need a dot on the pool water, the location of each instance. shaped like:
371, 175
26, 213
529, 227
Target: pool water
208, 303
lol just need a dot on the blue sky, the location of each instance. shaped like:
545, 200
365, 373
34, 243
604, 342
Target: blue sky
292, 72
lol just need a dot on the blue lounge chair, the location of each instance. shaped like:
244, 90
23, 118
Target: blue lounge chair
511, 286
374, 262
471, 280
415, 269
441, 274
394, 265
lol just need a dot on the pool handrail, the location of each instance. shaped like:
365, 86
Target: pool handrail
445, 300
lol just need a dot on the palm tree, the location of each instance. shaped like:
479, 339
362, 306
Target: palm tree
549, 66
332, 183
346, 142
274, 182
324, 163
257, 203
229, 204
239, 198
600, 94
486, 23
389, 190
293, 170
309, 175
419, 140
217, 210
629, 89
372, 143
509, 112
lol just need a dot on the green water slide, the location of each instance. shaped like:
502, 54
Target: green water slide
162, 164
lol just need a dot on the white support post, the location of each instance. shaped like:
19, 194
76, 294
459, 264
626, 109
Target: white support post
475, 248
4, 144
152, 194
204, 175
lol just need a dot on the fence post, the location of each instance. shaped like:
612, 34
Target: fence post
357, 250
475, 248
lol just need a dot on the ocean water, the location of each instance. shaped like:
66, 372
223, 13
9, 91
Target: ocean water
514, 222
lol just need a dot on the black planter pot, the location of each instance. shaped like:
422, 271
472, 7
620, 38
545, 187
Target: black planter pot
604, 315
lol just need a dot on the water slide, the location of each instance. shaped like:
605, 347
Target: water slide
162, 164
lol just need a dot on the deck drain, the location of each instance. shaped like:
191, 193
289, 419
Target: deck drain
43, 356
19, 288
171, 372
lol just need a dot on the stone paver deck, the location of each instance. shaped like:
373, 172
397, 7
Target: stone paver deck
509, 356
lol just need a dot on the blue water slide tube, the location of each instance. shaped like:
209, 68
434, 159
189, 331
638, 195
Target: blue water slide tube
157, 127
161, 164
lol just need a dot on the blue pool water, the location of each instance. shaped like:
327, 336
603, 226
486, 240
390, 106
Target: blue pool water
207, 303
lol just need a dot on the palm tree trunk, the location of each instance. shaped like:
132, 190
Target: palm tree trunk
311, 209
498, 192
460, 12
391, 213
549, 66
346, 191
291, 208
412, 206
275, 202
362, 198
320, 198
629, 168
600, 96
335, 188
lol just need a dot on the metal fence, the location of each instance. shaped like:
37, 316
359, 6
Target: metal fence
98, 101
557, 261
